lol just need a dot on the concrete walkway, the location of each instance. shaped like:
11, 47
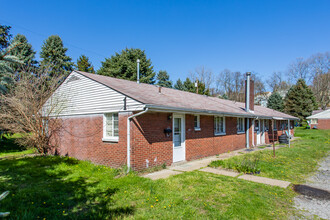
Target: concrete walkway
202, 164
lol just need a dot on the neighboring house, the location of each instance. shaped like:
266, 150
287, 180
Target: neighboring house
262, 99
320, 119
118, 122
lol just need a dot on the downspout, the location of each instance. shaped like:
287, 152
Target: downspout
129, 137
252, 125
247, 133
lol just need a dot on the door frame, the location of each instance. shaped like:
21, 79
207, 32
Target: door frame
183, 135
258, 132
262, 136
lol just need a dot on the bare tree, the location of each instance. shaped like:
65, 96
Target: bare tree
231, 84
203, 75
319, 69
22, 109
259, 85
298, 70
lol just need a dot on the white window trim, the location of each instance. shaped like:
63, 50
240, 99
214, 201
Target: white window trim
241, 132
108, 139
224, 126
314, 120
198, 128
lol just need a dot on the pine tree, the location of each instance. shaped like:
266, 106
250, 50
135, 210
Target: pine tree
163, 79
275, 102
188, 85
54, 57
179, 85
23, 51
5, 36
83, 64
300, 100
123, 65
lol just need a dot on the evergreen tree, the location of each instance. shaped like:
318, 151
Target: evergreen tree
4, 36
123, 65
224, 96
23, 51
163, 79
179, 85
189, 86
54, 57
83, 64
300, 100
275, 102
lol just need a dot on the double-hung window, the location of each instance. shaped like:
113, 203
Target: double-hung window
197, 123
314, 121
219, 125
110, 127
240, 125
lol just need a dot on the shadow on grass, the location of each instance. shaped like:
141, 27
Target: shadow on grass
47, 187
8, 145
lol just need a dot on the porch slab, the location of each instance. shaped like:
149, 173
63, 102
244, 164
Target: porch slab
193, 165
162, 174
220, 172
264, 180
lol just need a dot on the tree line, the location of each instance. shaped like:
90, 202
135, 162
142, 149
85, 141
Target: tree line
227, 84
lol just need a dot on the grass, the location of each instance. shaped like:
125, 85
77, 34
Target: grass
292, 164
8, 147
55, 187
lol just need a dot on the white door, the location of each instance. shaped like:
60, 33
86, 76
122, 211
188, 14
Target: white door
262, 131
179, 150
258, 131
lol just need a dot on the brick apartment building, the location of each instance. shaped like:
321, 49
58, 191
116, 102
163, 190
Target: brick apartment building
118, 122
320, 119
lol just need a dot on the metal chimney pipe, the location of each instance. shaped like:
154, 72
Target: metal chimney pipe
138, 70
247, 108
247, 98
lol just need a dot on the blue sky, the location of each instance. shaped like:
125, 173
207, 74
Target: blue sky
179, 36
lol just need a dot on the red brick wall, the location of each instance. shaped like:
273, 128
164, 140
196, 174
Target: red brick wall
322, 124
149, 141
204, 143
81, 137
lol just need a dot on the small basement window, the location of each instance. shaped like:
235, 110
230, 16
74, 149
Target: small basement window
110, 127
219, 125
240, 125
197, 123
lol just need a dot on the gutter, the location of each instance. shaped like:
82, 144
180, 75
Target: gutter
129, 137
166, 108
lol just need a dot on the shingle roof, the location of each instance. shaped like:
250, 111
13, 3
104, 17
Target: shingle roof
324, 114
172, 98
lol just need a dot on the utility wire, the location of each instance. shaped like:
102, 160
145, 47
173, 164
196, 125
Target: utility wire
45, 36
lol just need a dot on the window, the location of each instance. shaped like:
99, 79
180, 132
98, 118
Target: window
256, 125
110, 127
314, 121
275, 125
197, 123
219, 125
240, 125
284, 125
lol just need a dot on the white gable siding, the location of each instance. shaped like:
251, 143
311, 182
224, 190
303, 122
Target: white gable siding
81, 95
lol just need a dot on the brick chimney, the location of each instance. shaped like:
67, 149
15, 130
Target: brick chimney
249, 93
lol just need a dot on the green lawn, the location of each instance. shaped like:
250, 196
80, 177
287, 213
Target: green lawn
55, 187
293, 164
